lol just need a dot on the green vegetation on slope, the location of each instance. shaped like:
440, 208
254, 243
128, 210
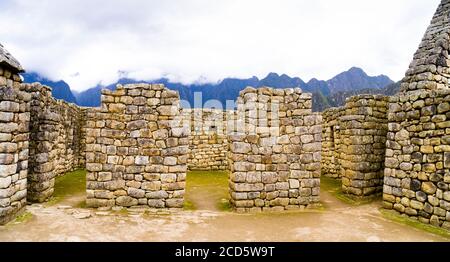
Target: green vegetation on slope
213, 185
71, 184
320, 102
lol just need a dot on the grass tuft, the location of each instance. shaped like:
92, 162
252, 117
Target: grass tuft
189, 206
25, 217
225, 205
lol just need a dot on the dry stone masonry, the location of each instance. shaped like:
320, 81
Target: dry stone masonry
14, 139
429, 69
354, 144
418, 156
208, 140
138, 146
40, 138
363, 129
331, 142
275, 151
417, 175
55, 141
137, 149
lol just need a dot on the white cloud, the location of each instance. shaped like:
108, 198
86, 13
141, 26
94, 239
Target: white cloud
86, 42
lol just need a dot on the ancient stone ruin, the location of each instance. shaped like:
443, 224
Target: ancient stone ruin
417, 174
14, 138
410, 131
331, 143
354, 144
275, 151
135, 154
418, 156
138, 146
55, 145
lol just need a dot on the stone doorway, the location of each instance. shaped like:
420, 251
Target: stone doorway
207, 191
208, 142
208, 168
70, 190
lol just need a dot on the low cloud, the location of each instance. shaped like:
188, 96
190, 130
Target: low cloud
87, 42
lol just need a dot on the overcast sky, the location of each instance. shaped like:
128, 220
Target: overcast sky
86, 42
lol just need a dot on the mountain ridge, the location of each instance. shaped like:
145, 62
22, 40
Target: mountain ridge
350, 81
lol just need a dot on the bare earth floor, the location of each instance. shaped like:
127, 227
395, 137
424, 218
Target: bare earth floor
338, 221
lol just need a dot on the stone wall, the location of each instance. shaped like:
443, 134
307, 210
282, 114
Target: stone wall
275, 151
55, 141
417, 176
429, 69
136, 151
331, 142
208, 141
14, 137
363, 129
82, 144
353, 145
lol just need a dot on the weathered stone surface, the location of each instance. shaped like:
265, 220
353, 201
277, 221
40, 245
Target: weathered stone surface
5, 182
175, 203
241, 148
136, 193
14, 140
402, 135
418, 130
354, 148
429, 188
141, 160
126, 201
274, 161
137, 150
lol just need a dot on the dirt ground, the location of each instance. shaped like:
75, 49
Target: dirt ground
209, 221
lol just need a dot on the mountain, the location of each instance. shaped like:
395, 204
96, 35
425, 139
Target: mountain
356, 79
280, 81
325, 93
392, 89
320, 102
338, 99
321, 86
60, 89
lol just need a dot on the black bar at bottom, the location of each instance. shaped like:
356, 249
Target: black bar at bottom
212, 251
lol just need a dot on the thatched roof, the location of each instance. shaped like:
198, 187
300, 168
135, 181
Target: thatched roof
8, 61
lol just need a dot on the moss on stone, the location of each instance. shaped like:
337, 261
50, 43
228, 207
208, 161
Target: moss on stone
71, 184
402, 219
